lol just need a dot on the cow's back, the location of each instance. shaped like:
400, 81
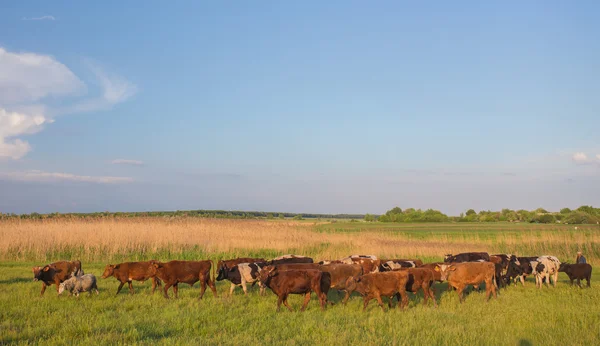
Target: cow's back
472, 272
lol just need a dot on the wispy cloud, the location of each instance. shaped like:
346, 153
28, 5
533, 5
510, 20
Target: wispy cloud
41, 176
39, 18
127, 162
580, 158
28, 79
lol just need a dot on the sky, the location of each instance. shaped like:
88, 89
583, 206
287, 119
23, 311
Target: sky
312, 106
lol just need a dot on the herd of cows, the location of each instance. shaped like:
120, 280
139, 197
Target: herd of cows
371, 277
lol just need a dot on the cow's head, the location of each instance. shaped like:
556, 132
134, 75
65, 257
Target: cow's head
267, 273
222, 271
448, 257
444, 270
564, 267
533, 266
36, 273
109, 270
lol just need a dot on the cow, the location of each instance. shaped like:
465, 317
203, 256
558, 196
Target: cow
340, 272
394, 265
459, 275
132, 271
348, 260
244, 273
417, 261
175, 272
466, 257
577, 271
431, 266
421, 279
327, 262
545, 267
302, 281
376, 285
368, 264
224, 265
55, 273
76, 284
290, 259
519, 268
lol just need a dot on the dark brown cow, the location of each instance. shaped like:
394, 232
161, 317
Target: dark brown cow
224, 265
376, 285
130, 271
340, 273
421, 279
304, 281
577, 271
417, 261
290, 259
55, 273
459, 275
467, 257
189, 272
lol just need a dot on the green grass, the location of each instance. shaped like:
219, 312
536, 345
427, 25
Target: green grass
520, 316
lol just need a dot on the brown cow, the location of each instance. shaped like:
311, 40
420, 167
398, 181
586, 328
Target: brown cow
55, 273
290, 259
459, 275
340, 273
436, 274
189, 272
304, 281
376, 285
129, 271
224, 265
421, 279
368, 265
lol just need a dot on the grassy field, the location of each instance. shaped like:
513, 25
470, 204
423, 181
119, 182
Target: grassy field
520, 315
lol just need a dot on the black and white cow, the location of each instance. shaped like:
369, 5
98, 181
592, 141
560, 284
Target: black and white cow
519, 268
388, 266
348, 260
545, 267
243, 274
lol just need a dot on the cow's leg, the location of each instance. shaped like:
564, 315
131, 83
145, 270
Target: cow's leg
279, 301
459, 291
404, 300
57, 283
231, 288
203, 286
176, 290
588, 278
166, 289
579, 282
379, 301
425, 289
43, 288
306, 300
130, 287
120, 286
285, 302
522, 278
346, 297
432, 295
211, 284
548, 279
153, 285
366, 300
555, 278
244, 287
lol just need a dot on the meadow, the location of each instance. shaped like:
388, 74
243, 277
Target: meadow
519, 316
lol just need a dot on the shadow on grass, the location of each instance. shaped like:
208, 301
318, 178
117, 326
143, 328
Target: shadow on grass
15, 281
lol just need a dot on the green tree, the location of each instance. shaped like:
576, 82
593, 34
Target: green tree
270, 216
298, 217
281, 216
565, 211
369, 218
471, 212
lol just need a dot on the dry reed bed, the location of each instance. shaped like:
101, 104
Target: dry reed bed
136, 238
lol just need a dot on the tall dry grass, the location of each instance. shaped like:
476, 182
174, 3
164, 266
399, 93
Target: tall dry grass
194, 238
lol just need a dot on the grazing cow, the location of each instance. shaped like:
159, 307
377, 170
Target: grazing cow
436, 273
580, 258
545, 267
421, 279
55, 273
467, 257
376, 285
577, 271
76, 284
519, 268
175, 272
459, 275
304, 281
395, 265
244, 273
417, 261
224, 265
290, 259
129, 271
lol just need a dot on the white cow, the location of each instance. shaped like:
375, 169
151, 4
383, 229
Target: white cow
545, 267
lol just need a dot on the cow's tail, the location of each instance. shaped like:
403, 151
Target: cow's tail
214, 271
495, 280
79, 269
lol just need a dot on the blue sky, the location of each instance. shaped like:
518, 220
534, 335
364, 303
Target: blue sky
337, 107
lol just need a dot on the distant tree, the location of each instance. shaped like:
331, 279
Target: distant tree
270, 216
369, 218
395, 210
541, 211
565, 211
298, 217
281, 216
471, 212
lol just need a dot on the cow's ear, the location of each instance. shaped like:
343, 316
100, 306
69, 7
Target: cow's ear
451, 268
46, 268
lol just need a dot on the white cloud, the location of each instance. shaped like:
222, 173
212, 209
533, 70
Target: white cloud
40, 176
127, 162
27, 80
39, 18
598, 157
580, 158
